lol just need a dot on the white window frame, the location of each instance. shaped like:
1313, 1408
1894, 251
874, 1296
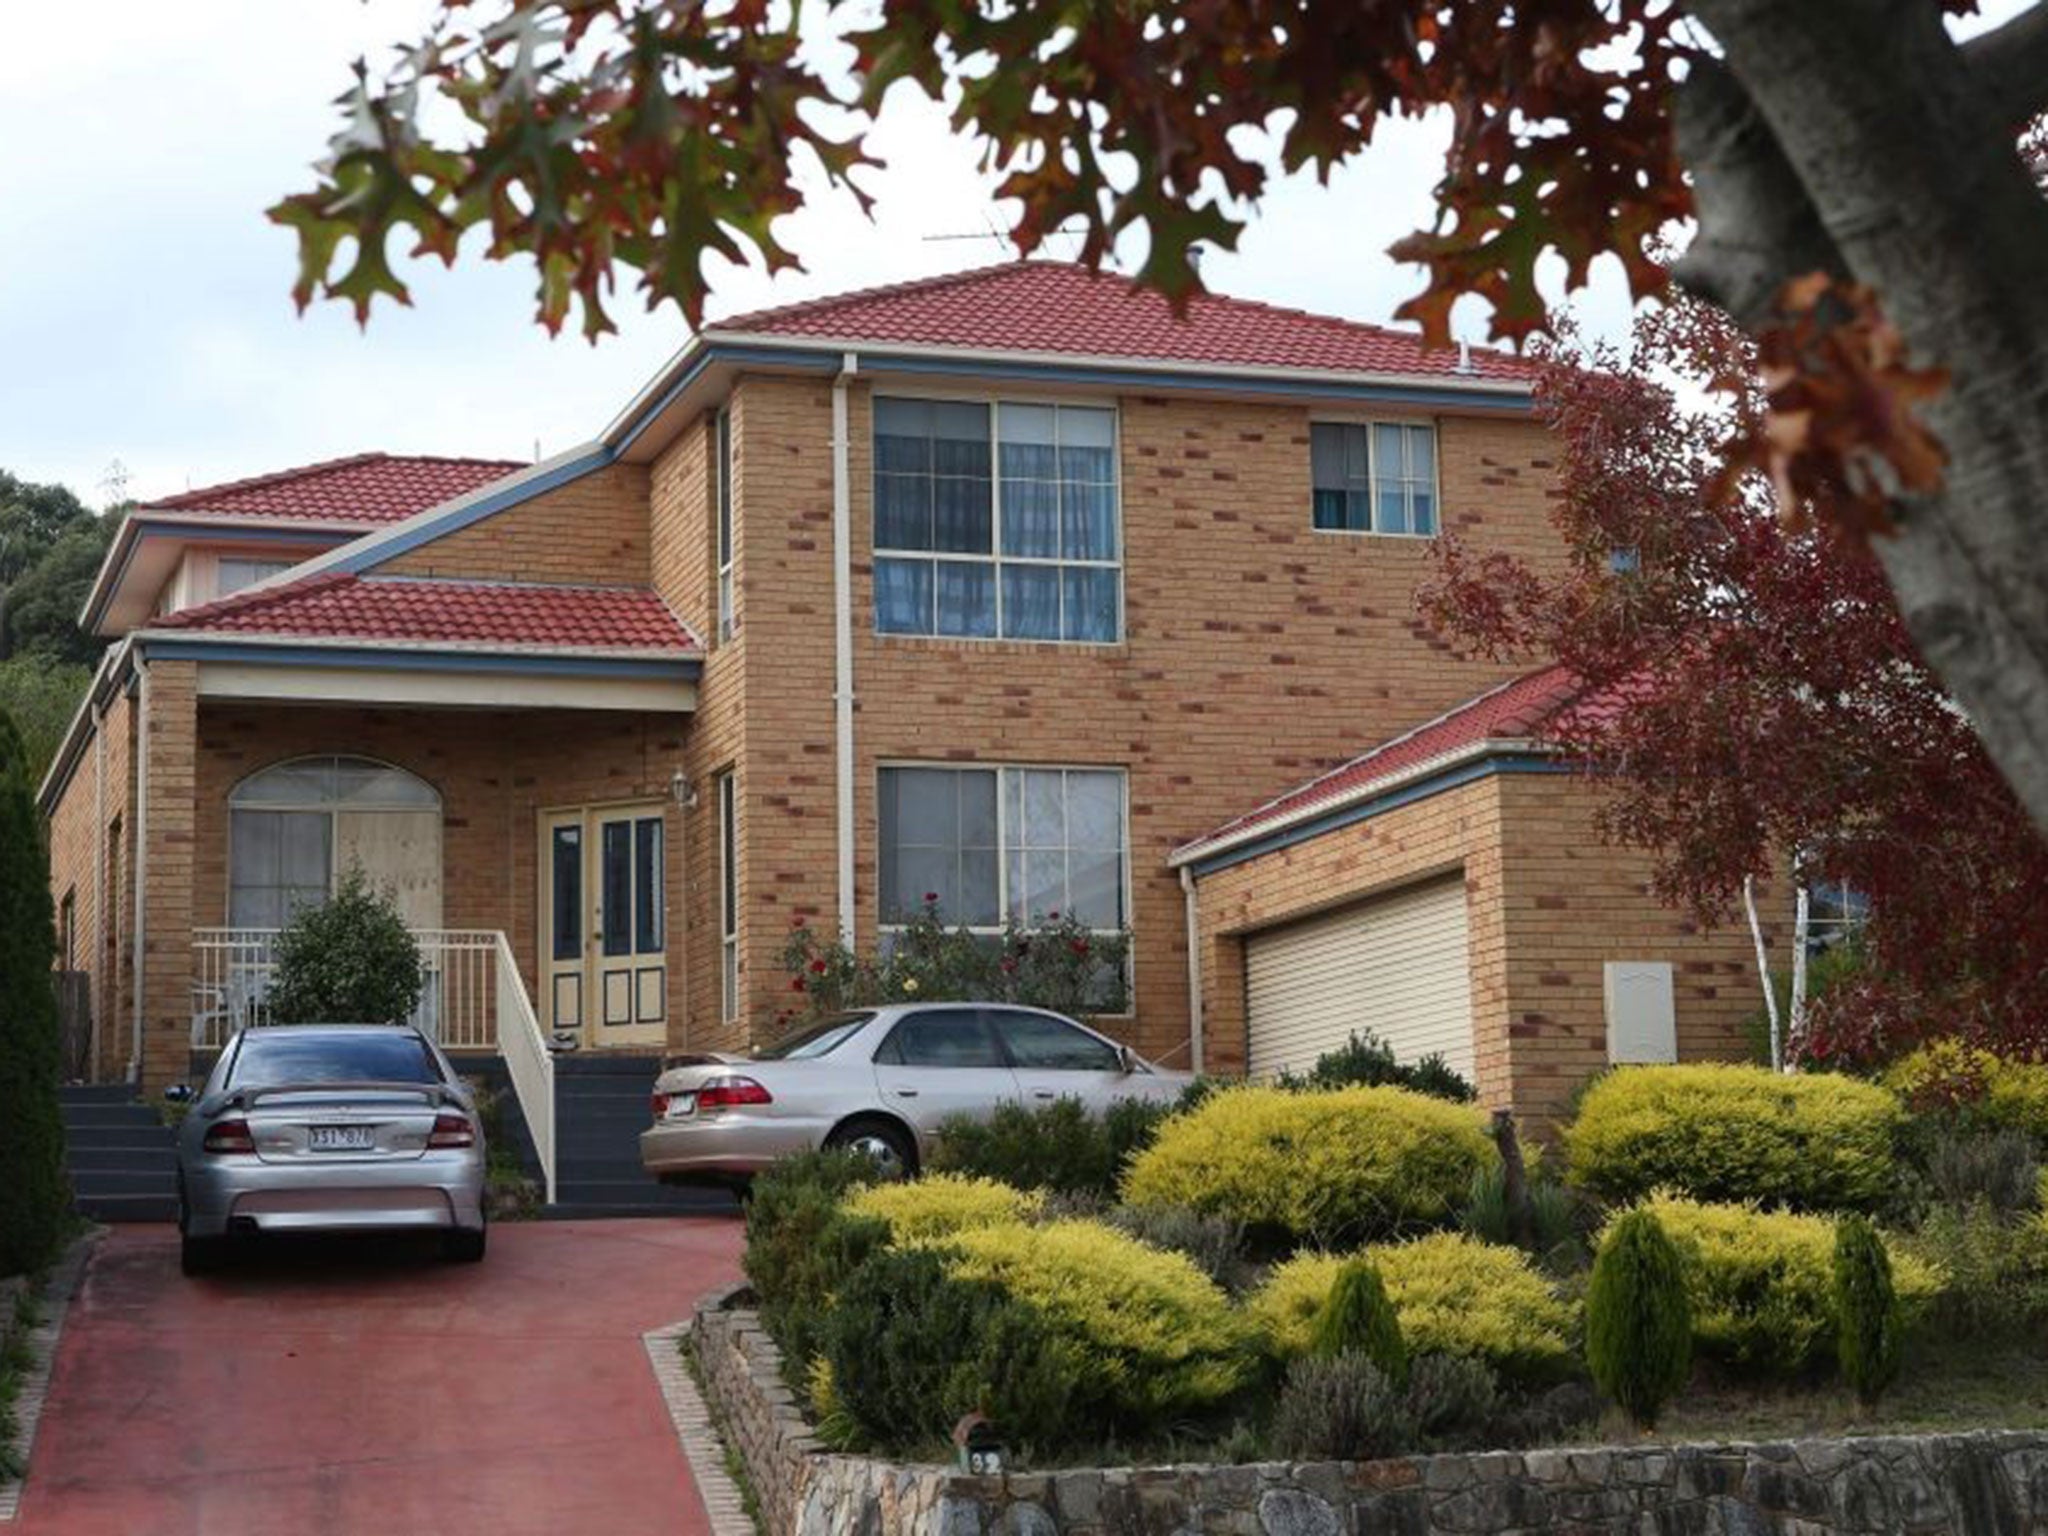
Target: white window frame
329, 809
1004, 847
728, 899
721, 511
995, 558
264, 566
1367, 424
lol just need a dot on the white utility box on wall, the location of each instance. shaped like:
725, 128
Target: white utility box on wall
1642, 1021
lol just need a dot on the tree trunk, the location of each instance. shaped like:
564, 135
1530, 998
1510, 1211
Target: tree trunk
1854, 135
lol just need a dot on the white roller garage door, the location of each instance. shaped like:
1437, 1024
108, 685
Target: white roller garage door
1395, 965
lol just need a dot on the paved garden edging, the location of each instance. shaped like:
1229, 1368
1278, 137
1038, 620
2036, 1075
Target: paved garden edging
1990, 1482
54, 1302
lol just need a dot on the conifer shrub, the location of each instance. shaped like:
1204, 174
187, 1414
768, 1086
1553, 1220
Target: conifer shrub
1452, 1295
1330, 1166
940, 1203
1162, 1340
35, 1194
1870, 1324
1719, 1131
1761, 1283
1357, 1318
1060, 1147
1638, 1318
801, 1244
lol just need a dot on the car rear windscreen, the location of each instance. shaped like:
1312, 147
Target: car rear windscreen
274, 1057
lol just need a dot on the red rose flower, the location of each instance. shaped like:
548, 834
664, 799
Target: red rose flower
817, 967
796, 984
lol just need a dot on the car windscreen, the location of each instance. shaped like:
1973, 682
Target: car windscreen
819, 1039
276, 1057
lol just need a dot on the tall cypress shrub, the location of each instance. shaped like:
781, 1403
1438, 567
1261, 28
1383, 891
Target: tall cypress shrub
1358, 1318
1869, 1318
35, 1194
1638, 1318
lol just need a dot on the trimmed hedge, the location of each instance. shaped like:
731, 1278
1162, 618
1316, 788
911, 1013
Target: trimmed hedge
939, 1204
1060, 1146
1160, 1338
1331, 1166
1761, 1283
1723, 1132
1452, 1294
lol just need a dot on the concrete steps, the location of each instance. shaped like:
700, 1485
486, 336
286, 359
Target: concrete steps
122, 1157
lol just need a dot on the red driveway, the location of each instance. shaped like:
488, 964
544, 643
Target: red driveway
343, 1390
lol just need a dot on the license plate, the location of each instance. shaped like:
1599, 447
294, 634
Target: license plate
680, 1106
341, 1138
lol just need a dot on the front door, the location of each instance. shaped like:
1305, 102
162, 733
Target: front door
604, 925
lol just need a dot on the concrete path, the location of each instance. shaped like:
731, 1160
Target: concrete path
328, 1389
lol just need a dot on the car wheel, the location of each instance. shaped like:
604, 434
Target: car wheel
882, 1140
463, 1246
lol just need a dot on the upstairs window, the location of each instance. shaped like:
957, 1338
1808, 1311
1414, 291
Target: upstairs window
234, 573
723, 471
1375, 478
996, 521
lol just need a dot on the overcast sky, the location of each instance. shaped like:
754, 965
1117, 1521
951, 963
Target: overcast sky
145, 314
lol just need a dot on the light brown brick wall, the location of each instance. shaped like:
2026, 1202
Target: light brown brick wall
169, 724
1257, 651
1548, 904
592, 530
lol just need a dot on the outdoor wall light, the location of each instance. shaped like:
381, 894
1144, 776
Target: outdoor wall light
682, 791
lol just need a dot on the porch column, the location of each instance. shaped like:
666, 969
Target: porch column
164, 859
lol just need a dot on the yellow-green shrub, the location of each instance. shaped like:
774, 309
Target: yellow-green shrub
1453, 1294
1761, 1282
1348, 1162
1163, 1337
941, 1203
1717, 1131
1952, 1074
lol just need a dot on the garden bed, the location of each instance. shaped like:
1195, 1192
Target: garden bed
1990, 1481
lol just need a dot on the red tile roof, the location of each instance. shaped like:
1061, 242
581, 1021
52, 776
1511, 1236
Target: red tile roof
1049, 306
432, 611
1515, 711
363, 488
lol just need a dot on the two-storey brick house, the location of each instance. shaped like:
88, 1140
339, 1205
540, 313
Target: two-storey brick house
1007, 586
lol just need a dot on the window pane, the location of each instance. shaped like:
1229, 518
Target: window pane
1088, 517
1095, 888
1358, 511
967, 598
937, 836
1027, 427
944, 1037
961, 521
903, 430
1389, 459
903, 597
615, 885
1031, 518
1421, 511
303, 849
728, 856
962, 431
1329, 510
903, 511
1046, 1045
256, 906
1084, 427
977, 807
1090, 603
566, 892
917, 872
648, 893
980, 894
303, 783
1095, 810
253, 848
1031, 602
1392, 516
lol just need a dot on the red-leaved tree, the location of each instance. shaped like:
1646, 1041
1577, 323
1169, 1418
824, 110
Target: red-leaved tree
1762, 695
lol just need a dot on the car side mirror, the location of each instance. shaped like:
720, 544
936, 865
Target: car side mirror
178, 1093
1127, 1059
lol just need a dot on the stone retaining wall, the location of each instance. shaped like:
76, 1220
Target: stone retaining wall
1995, 1483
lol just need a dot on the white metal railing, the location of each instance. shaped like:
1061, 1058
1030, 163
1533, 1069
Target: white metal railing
458, 1006
528, 1061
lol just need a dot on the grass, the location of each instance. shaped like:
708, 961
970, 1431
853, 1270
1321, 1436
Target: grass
735, 1463
1945, 1388
16, 1360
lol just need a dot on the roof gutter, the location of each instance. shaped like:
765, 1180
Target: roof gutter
1203, 849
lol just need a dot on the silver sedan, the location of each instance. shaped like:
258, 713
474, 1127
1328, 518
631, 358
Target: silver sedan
328, 1128
882, 1080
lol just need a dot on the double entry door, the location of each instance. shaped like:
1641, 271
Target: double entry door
604, 924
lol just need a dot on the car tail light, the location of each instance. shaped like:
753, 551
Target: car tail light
726, 1092
452, 1131
660, 1105
229, 1136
